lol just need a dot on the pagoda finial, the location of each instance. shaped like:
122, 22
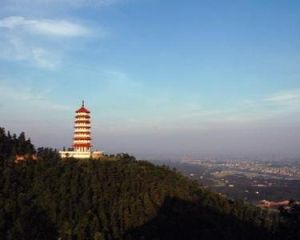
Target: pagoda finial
82, 103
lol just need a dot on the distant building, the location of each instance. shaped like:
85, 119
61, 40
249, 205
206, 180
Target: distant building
25, 157
82, 137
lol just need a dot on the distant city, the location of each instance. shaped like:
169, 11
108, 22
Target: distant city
270, 169
252, 180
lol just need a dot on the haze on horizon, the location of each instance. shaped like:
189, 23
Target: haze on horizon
163, 79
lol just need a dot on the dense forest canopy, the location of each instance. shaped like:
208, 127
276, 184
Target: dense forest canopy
11, 145
124, 199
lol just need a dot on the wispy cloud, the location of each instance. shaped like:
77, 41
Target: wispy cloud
268, 108
60, 28
14, 48
72, 3
14, 93
291, 98
27, 97
166, 110
33, 40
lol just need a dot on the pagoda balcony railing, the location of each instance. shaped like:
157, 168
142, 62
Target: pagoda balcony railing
82, 114
78, 125
81, 141
82, 135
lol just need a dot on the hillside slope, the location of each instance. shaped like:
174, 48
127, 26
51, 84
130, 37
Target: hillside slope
125, 199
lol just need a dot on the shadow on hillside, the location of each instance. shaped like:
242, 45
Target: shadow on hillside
185, 220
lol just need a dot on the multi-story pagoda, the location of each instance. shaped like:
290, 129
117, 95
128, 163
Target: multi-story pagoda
82, 136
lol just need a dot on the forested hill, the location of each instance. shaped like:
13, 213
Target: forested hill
126, 199
11, 145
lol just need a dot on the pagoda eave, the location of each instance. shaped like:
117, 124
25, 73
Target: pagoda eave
82, 138
82, 116
83, 121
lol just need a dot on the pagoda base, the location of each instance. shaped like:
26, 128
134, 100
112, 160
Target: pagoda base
80, 155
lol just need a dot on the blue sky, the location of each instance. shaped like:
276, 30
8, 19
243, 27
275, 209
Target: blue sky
162, 78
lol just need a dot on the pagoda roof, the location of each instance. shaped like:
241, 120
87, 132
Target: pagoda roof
83, 109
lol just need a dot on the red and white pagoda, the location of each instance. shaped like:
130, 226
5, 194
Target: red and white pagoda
82, 134
82, 137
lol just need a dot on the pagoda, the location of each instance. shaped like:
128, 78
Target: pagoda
82, 133
82, 137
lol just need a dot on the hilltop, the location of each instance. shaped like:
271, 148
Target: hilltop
121, 199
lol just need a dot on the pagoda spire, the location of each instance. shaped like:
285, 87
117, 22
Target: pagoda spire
82, 105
